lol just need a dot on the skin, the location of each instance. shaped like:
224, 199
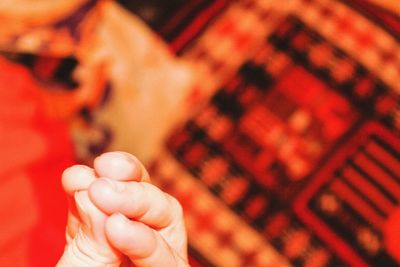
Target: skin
118, 218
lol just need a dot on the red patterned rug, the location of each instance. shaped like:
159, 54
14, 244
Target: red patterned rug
295, 157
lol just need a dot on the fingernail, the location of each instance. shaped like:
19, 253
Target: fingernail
118, 165
122, 217
126, 156
115, 186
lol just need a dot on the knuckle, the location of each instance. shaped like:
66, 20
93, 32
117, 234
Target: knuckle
176, 206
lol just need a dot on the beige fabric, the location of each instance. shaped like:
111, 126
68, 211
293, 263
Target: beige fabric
149, 84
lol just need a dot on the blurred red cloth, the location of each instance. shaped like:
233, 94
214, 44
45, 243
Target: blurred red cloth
34, 149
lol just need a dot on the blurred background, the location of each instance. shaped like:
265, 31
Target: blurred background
275, 123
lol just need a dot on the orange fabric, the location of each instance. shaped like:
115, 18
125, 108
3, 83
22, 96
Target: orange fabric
34, 151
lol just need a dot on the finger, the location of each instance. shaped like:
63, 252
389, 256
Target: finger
92, 228
90, 246
139, 201
75, 178
144, 246
120, 166
92, 219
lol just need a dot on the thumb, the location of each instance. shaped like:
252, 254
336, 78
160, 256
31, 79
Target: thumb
89, 247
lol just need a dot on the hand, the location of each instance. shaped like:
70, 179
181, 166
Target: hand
118, 217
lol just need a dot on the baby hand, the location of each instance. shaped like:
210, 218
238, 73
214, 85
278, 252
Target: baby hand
117, 216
